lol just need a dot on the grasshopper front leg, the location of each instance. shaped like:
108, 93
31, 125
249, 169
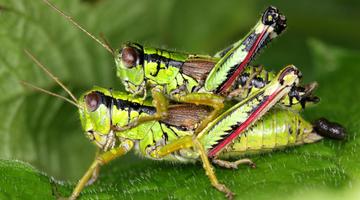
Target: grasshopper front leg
101, 159
96, 172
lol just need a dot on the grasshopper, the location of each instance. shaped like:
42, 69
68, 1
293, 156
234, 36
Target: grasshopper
105, 117
190, 78
199, 79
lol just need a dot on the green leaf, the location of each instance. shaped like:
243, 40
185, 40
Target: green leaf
18, 180
45, 131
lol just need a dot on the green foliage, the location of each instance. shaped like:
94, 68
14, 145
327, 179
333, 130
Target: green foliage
45, 131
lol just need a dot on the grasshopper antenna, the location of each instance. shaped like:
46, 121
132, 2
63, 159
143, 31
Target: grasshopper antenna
105, 45
106, 42
49, 93
39, 64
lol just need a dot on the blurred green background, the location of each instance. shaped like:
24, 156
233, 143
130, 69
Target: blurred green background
322, 40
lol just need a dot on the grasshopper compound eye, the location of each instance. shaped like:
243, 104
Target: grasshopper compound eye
92, 101
129, 57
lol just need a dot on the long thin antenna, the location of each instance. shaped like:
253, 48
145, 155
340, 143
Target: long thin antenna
38, 63
49, 93
79, 26
106, 42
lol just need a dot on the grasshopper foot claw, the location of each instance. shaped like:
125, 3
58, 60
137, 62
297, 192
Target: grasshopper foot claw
224, 189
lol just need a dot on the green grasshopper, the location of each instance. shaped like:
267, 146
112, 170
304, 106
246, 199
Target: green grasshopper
188, 77
245, 127
191, 78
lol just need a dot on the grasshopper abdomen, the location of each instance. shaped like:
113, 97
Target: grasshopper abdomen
277, 129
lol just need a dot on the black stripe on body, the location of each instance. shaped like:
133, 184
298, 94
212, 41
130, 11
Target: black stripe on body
158, 58
125, 104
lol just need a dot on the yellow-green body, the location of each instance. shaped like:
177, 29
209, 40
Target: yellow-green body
279, 128
140, 67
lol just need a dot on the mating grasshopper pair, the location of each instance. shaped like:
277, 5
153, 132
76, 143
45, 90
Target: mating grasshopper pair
184, 130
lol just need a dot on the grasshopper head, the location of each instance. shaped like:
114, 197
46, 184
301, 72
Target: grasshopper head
95, 116
129, 67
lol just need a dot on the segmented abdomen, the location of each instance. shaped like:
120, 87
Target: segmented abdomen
278, 128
